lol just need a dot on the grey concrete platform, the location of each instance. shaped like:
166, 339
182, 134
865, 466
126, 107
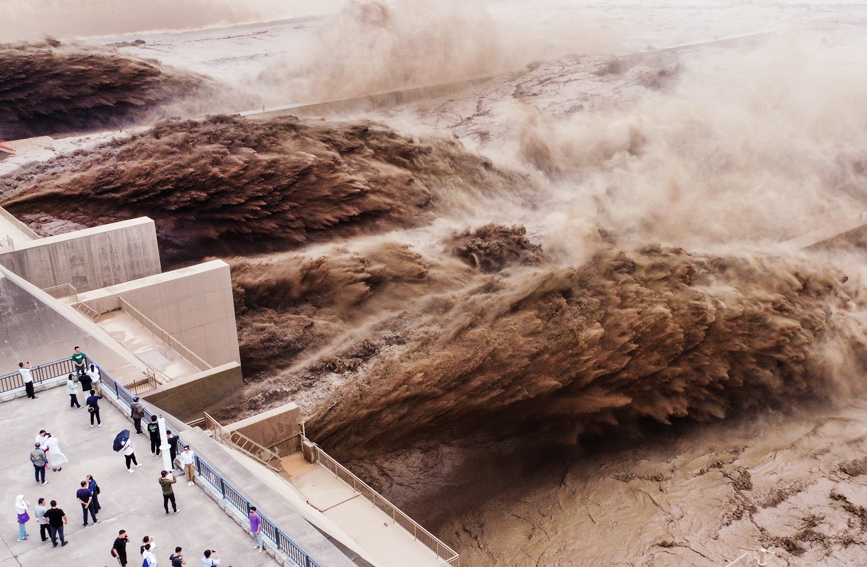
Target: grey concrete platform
129, 501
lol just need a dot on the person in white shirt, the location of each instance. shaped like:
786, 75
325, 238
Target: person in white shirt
148, 556
72, 390
42, 439
129, 455
211, 559
188, 459
55, 457
28, 379
94, 377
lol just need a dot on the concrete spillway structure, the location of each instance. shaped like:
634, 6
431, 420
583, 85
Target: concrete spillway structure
171, 338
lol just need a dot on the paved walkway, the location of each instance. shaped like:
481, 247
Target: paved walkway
129, 501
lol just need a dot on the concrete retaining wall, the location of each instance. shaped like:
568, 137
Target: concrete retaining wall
192, 304
186, 398
272, 428
37, 328
89, 259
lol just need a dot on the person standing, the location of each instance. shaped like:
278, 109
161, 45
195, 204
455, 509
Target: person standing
154, 432
39, 460
56, 520
86, 383
129, 455
93, 407
137, 412
173, 446
28, 379
148, 557
166, 482
55, 457
41, 439
211, 559
188, 461
256, 528
118, 550
72, 390
93, 374
177, 558
94, 489
147, 540
85, 498
40, 519
79, 360
21, 506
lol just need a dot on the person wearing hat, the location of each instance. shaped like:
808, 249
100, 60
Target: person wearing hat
137, 413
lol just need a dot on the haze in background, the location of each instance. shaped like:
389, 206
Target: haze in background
30, 20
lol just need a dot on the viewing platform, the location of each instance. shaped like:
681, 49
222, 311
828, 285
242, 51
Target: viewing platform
129, 501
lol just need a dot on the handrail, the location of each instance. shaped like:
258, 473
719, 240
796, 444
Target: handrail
433, 543
62, 290
40, 373
240, 441
143, 384
163, 335
738, 560
86, 310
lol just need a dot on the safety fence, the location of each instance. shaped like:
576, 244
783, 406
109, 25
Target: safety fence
206, 472
444, 552
61, 291
40, 373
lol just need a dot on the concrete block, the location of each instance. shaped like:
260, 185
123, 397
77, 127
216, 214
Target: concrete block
187, 398
203, 321
271, 428
89, 259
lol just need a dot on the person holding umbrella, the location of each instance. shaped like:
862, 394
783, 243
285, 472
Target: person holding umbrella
123, 443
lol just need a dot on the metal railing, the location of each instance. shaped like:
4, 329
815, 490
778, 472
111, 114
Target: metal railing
163, 335
739, 559
244, 444
86, 310
449, 556
40, 373
61, 291
143, 384
221, 486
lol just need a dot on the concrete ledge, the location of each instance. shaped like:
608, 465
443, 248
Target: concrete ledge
193, 304
46, 384
187, 398
89, 259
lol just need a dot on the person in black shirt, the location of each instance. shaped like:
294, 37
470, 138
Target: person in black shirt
154, 432
86, 382
173, 446
118, 550
56, 519
85, 498
93, 407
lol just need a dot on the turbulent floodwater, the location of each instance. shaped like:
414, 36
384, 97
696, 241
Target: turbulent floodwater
549, 314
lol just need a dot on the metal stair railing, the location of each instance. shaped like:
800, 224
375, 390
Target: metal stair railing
244, 444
